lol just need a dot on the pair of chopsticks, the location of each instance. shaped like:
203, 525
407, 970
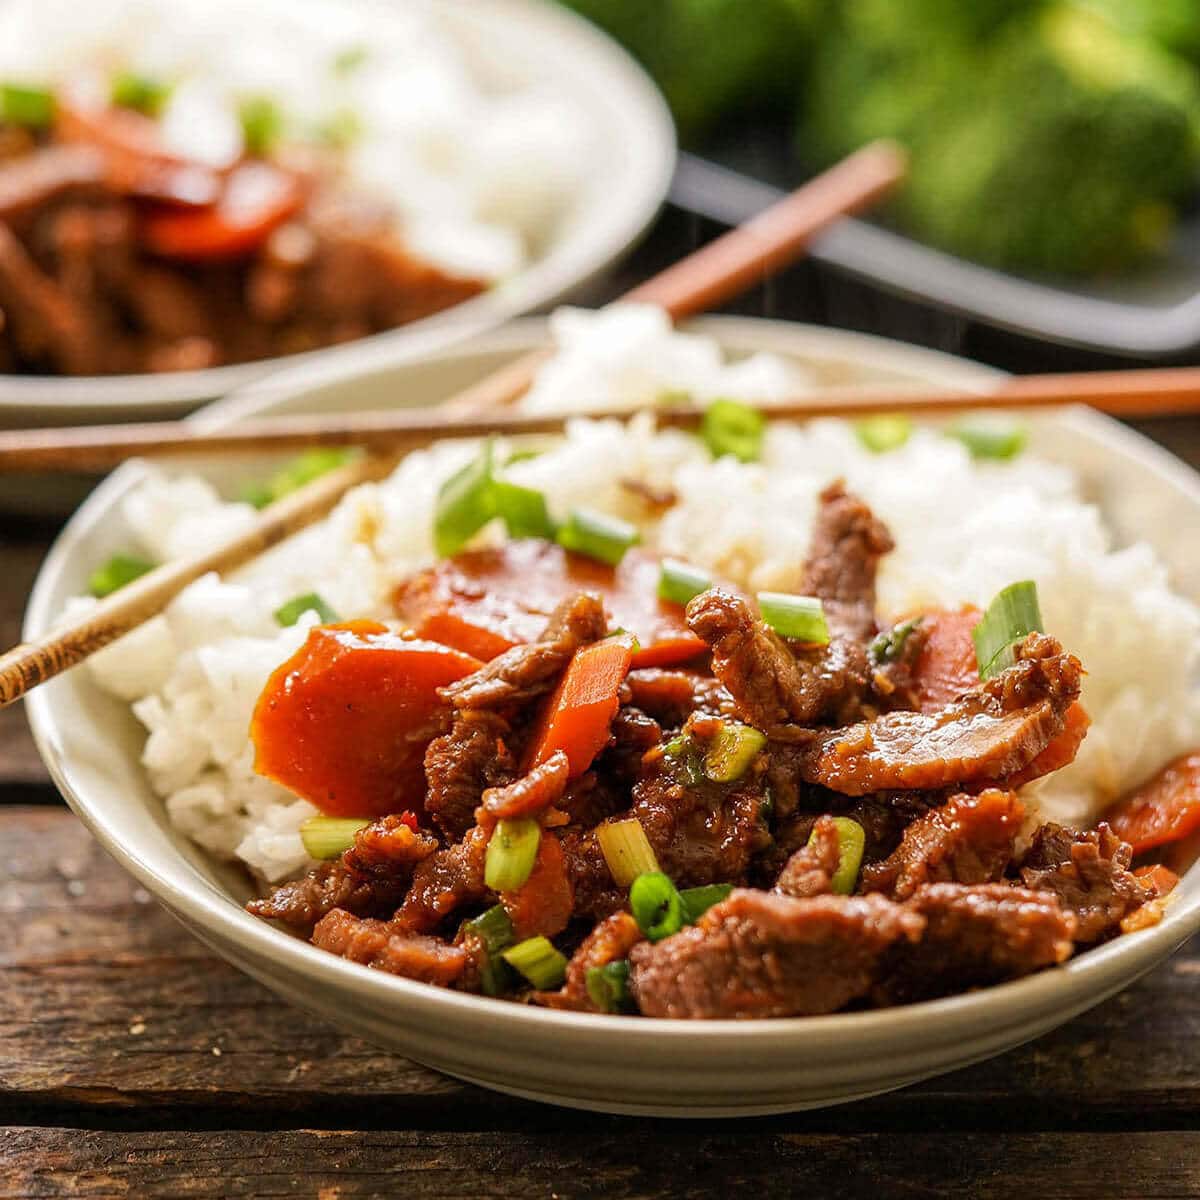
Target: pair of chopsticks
725, 267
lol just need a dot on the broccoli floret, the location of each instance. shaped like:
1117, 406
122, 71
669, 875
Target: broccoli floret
711, 57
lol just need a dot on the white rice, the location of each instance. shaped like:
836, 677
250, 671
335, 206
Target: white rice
963, 530
479, 175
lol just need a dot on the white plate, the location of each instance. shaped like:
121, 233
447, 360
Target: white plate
618, 1064
634, 156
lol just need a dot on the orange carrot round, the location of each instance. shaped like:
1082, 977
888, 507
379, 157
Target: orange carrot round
1165, 809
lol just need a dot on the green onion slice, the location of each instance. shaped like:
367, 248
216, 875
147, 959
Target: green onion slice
293, 475
350, 59
511, 852
626, 850
990, 437
888, 646
656, 906
801, 618
852, 840
698, 900
1011, 616
22, 104
888, 431
678, 581
142, 93
466, 502
342, 127
288, 614
262, 124
327, 837
732, 751
538, 960
524, 511
598, 535
608, 986
493, 928
729, 427
116, 573
683, 755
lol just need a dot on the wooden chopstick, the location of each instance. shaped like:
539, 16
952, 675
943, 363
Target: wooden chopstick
715, 273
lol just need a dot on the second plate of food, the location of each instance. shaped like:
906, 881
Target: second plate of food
599, 874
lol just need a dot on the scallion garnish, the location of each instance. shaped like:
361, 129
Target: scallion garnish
990, 437
262, 124
729, 427
885, 432
511, 852
597, 535
685, 760
293, 475
732, 751
1011, 616
887, 646
24, 104
349, 59
143, 93
492, 927
801, 618
608, 986
327, 837
698, 900
116, 573
852, 840
538, 960
288, 614
524, 511
466, 502
678, 581
341, 128
656, 906
626, 850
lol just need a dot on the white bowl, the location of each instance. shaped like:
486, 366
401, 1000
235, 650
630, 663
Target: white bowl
617, 1064
631, 167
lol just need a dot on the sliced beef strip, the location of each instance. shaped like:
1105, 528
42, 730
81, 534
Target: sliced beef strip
988, 734
847, 543
633, 734
762, 955
611, 940
50, 173
526, 672
1089, 874
460, 764
772, 687
670, 697
809, 872
388, 946
444, 882
540, 788
388, 847
969, 839
596, 895
975, 935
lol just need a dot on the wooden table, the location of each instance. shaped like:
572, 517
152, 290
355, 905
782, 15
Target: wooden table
133, 1062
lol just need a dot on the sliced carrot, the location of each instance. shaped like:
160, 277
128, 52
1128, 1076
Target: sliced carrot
346, 720
1163, 810
1162, 879
1061, 751
543, 903
577, 716
946, 666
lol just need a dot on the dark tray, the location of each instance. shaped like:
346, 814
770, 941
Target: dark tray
1152, 314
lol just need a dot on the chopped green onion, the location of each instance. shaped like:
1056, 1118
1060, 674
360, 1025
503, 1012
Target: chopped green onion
683, 754
598, 535
511, 852
852, 839
466, 502
801, 618
142, 93
21, 104
526, 454
732, 428
1012, 615
262, 123
626, 849
493, 928
288, 614
608, 986
732, 751
883, 433
343, 127
524, 511
673, 397
887, 646
349, 59
990, 437
538, 960
116, 573
293, 475
656, 906
327, 837
678, 581
698, 900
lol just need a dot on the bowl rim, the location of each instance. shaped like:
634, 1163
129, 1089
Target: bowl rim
1082, 980
636, 115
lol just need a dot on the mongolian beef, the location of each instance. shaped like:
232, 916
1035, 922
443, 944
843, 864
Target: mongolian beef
573, 773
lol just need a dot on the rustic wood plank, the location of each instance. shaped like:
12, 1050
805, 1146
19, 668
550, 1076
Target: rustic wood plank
678, 1162
104, 1002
